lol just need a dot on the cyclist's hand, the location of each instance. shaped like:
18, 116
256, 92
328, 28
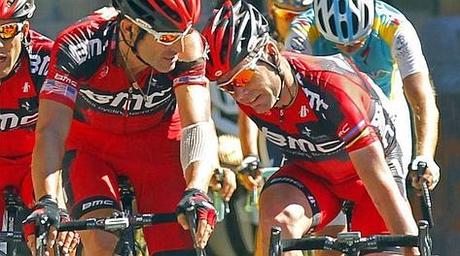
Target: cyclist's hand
224, 181
249, 174
431, 174
205, 213
67, 240
46, 212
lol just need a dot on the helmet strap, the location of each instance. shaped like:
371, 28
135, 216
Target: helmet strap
276, 64
133, 47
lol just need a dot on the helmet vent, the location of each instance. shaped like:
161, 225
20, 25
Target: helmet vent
344, 28
355, 24
321, 21
366, 15
342, 7
329, 4
169, 12
332, 25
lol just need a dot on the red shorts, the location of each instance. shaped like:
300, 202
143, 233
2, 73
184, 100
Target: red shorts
151, 162
326, 199
16, 173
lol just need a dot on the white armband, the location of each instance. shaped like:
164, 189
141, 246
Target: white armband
198, 143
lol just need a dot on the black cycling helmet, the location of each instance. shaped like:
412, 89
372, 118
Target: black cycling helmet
233, 33
16, 9
161, 15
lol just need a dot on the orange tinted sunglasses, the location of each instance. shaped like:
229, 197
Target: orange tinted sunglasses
10, 30
240, 79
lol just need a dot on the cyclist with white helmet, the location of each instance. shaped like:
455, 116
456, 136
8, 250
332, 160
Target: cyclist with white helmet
127, 95
384, 45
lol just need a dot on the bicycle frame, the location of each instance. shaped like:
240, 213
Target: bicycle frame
15, 212
126, 242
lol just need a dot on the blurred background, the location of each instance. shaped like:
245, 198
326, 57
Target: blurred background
438, 26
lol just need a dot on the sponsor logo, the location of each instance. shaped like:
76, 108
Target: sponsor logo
26, 87
301, 144
125, 100
316, 102
65, 79
87, 49
13, 120
97, 203
303, 111
39, 64
382, 122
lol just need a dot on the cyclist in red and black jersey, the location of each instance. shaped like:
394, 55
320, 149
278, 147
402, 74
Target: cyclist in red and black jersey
332, 122
127, 89
24, 61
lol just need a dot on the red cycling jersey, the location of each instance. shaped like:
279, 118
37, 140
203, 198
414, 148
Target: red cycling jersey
19, 98
334, 105
18, 115
119, 128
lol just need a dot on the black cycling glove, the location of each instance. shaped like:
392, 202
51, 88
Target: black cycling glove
46, 211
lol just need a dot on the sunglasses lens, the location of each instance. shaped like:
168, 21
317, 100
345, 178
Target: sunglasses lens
8, 31
169, 38
243, 77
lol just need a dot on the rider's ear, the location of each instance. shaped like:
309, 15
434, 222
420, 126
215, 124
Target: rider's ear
272, 50
127, 28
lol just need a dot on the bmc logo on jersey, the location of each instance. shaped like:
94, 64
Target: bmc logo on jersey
10, 121
122, 101
301, 145
86, 50
39, 64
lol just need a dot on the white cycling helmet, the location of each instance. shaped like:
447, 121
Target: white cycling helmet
344, 21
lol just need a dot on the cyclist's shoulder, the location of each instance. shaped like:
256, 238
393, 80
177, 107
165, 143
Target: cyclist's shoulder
389, 22
85, 44
309, 65
39, 43
96, 25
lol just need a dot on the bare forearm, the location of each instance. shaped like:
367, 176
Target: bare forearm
394, 209
378, 180
46, 162
426, 128
422, 101
198, 175
248, 135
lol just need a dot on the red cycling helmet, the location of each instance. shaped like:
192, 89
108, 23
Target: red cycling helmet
161, 15
232, 34
16, 9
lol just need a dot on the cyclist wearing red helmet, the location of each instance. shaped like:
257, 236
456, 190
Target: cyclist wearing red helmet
24, 61
127, 95
335, 126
